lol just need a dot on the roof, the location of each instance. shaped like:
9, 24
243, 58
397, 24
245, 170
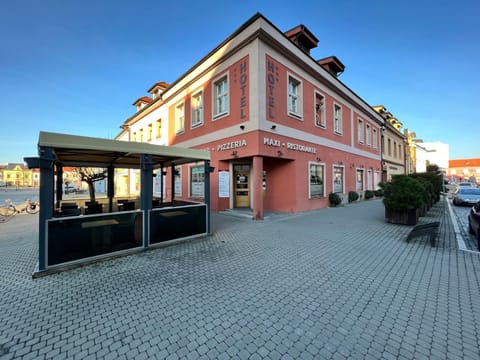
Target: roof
160, 84
73, 150
144, 99
12, 166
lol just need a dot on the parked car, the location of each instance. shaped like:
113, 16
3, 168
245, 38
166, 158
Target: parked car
466, 196
465, 184
69, 189
474, 222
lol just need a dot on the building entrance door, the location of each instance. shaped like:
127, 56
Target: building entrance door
241, 186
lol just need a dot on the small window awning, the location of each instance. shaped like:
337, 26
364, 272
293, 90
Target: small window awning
73, 150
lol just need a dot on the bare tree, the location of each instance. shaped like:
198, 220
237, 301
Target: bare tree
90, 176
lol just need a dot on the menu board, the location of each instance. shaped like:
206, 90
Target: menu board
223, 184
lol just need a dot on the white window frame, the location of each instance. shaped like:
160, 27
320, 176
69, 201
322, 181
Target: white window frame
342, 185
375, 138
337, 119
322, 166
177, 182
225, 95
323, 121
180, 118
149, 132
199, 185
295, 98
360, 171
360, 131
368, 135
197, 109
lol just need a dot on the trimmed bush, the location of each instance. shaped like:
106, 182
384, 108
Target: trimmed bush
378, 193
369, 194
403, 193
334, 199
352, 196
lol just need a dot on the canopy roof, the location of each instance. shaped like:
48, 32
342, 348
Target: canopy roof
73, 150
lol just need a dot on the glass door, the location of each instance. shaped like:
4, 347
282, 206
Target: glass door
241, 187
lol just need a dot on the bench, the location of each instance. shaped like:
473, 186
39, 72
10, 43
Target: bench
430, 229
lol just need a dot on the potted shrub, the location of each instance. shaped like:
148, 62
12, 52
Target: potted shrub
402, 197
334, 199
378, 193
352, 196
368, 194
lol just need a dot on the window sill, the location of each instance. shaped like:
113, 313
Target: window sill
218, 116
295, 116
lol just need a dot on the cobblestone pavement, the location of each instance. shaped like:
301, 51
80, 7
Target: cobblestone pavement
335, 283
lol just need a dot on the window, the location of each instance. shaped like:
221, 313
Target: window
140, 135
197, 181
149, 132
360, 131
197, 109
221, 96
180, 118
178, 180
368, 135
134, 136
320, 110
389, 147
375, 139
338, 179
359, 186
316, 180
158, 129
394, 149
337, 119
294, 96
400, 151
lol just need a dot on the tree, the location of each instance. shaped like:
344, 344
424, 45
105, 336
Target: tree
90, 176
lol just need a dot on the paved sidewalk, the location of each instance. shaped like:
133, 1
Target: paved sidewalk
335, 283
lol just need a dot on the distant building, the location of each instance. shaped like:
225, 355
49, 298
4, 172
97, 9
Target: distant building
464, 170
394, 152
16, 174
437, 153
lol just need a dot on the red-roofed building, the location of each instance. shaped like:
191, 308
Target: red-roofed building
464, 170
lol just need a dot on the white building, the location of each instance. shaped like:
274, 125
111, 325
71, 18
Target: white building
437, 153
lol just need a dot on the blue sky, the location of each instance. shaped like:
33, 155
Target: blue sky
77, 66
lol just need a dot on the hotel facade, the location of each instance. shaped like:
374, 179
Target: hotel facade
283, 131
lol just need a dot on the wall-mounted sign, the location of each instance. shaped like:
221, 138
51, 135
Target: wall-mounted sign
223, 184
232, 145
290, 146
243, 87
272, 75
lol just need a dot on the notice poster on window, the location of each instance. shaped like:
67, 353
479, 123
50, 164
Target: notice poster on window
223, 184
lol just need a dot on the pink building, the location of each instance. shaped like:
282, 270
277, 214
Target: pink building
282, 129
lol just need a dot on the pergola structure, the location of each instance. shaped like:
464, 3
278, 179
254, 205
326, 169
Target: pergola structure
66, 240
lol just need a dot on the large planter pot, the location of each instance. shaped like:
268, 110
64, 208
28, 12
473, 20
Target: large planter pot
403, 217
422, 210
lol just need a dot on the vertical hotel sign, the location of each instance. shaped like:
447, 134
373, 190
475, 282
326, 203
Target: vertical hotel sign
272, 78
240, 73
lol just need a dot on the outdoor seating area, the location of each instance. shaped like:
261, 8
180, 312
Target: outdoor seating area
75, 231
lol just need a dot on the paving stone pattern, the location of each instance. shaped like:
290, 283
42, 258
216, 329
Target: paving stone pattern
335, 283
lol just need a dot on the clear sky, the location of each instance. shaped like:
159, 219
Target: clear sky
77, 66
